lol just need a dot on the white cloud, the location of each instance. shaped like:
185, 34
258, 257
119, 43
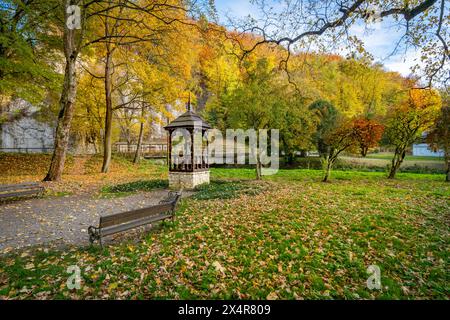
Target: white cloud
382, 41
234, 8
402, 63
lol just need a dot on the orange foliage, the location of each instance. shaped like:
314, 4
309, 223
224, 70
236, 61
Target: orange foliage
367, 134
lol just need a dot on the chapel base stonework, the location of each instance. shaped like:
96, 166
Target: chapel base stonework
187, 180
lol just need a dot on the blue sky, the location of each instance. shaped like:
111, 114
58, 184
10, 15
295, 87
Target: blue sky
380, 42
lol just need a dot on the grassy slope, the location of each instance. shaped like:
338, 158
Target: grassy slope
296, 238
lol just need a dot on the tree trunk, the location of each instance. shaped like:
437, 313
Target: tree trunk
109, 114
399, 156
258, 164
289, 157
1, 130
66, 102
447, 167
447, 176
137, 155
258, 169
95, 146
364, 151
329, 164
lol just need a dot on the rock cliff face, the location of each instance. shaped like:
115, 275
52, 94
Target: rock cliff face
26, 135
22, 132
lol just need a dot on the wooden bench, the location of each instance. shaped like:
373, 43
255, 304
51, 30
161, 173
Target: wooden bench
124, 221
20, 190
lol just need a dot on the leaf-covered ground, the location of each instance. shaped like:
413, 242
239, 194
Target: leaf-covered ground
293, 238
81, 173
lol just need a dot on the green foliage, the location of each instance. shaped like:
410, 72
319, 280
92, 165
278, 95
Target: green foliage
253, 103
147, 185
264, 100
27, 52
327, 118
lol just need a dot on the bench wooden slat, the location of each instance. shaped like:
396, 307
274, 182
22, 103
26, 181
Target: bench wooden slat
21, 193
21, 186
124, 217
133, 224
123, 221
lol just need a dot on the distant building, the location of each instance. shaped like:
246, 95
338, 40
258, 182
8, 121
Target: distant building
422, 149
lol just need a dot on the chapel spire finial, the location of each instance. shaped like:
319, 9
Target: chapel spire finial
188, 106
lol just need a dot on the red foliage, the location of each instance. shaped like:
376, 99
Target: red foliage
367, 133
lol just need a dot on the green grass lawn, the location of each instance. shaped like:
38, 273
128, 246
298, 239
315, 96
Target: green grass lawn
289, 236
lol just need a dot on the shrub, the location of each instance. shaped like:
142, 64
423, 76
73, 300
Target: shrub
135, 186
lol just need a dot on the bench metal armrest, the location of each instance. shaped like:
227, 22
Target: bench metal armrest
94, 234
173, 196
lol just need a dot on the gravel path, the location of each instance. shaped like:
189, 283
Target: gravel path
62, 220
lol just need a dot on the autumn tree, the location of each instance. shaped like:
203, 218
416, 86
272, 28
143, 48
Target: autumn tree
137, 155
116, 29
218, 69
250, 106
332, 136
89, 114
78, 39
112, 33
367, 133
439, 136
406, 122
